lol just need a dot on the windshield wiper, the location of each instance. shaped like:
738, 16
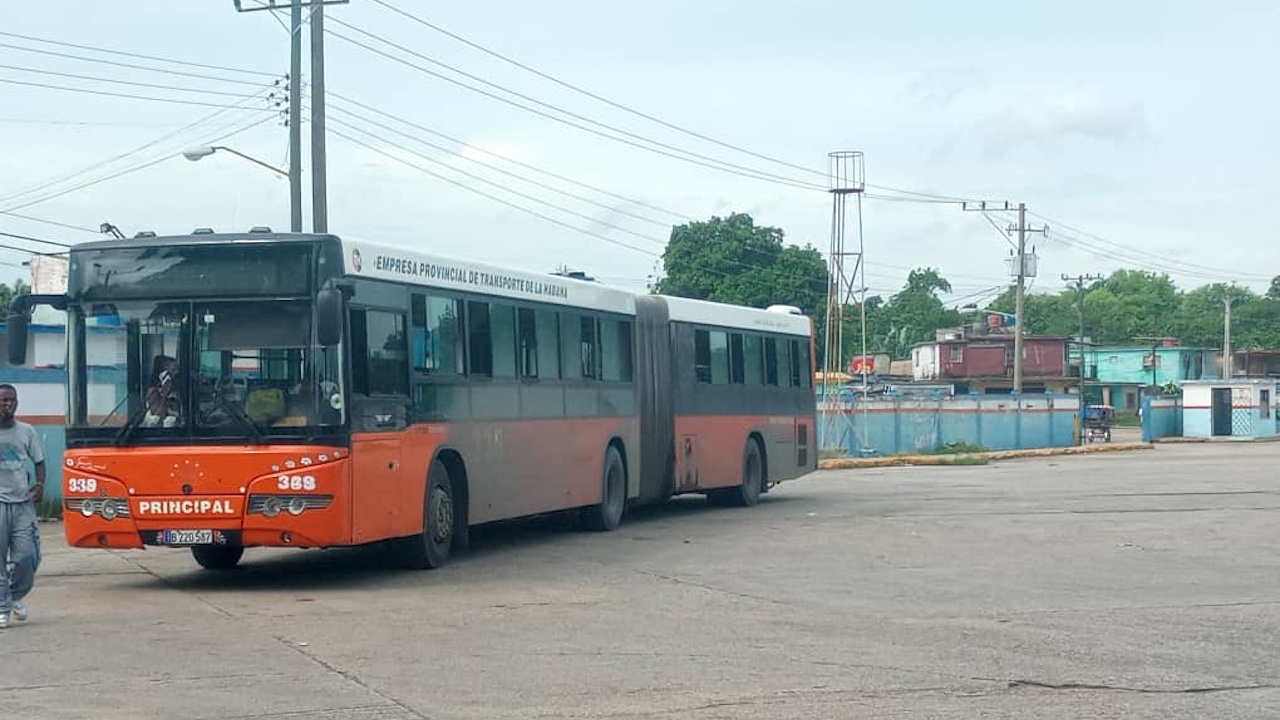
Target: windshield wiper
132, 424
255, 432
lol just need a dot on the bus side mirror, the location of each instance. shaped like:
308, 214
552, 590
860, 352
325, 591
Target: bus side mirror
329, 316
17, 341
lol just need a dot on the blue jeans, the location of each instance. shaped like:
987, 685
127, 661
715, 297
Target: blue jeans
20, 546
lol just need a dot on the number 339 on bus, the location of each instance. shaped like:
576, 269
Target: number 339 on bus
296, 482
82, 485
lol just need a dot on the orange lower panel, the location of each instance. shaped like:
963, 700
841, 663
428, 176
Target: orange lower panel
709, 448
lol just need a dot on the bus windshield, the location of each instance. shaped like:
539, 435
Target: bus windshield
233, 369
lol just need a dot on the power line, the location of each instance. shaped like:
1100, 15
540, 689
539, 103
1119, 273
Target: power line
135, 55
1158, 259
517, 193
508, 173
51, 222
1140, 258
28, 238
625, 108
175, 101
132, 66
495, 198
513, 161
92, 78
594, 96
136, 168
63, 178
687, 156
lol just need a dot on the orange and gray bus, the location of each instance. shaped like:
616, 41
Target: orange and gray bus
259, 389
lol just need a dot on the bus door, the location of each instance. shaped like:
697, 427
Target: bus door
380, 409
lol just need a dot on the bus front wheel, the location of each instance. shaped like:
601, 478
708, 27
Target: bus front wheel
217, 557
613, 500
430, 548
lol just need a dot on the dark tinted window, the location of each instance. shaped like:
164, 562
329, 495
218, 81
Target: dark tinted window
616, 350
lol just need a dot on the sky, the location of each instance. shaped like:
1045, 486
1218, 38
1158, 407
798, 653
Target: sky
1141, 133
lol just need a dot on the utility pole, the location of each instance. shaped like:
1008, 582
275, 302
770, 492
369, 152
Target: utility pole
1022, 292
319, 178
295, 116
1228, 299
1021, 267
1079, 282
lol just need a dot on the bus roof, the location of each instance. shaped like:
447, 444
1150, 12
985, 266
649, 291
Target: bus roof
383, 262
703, 312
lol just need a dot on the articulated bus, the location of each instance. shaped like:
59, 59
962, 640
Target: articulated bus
258, 389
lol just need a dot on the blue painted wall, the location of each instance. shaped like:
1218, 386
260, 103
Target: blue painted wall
896, 425
1162, 417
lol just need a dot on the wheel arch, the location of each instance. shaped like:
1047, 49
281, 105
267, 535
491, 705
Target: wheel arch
457, 467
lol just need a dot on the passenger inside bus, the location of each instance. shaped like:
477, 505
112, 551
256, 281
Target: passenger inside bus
163, 403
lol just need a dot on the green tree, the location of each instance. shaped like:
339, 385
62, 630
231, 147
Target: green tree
733, 260
915, 313
7, 294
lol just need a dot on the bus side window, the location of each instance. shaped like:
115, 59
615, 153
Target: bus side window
479, 343
502, 333
387, 365
590, 348
736, 370
359, 353
437, 347
770, 361
702, 355
719, 358
527, 343
547, 339
571, 345
753, 359
797, 371
616, 350
782, 349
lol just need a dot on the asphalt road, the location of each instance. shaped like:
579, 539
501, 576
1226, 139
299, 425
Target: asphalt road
1129, 585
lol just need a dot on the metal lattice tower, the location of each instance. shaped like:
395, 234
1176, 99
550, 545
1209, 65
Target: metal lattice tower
846, 176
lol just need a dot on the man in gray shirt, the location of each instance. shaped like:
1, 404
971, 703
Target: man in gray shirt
19, 445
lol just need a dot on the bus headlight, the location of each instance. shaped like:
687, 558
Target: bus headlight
271, 507
108, 508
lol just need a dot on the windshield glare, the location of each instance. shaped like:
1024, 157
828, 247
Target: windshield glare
221, 369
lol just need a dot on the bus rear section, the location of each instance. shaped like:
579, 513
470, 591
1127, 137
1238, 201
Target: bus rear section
732, 403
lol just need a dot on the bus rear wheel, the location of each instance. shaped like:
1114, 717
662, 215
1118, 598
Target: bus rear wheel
217, 557
748, 492
430, 548
613, 501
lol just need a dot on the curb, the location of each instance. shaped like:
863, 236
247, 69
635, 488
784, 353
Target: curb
900, 460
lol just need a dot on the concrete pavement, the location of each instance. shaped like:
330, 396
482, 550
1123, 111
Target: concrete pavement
1115, 586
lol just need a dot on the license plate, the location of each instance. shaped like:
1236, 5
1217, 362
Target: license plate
186, 537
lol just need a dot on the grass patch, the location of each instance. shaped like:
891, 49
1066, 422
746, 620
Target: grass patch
956, 448
965, 460
1126, 420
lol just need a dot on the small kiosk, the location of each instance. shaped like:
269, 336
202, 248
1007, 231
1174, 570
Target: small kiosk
1242, 408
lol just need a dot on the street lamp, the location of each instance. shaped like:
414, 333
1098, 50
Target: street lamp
196, 154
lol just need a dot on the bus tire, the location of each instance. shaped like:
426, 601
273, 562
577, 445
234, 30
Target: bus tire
613, 503
748, 492
430, 548
217, 557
